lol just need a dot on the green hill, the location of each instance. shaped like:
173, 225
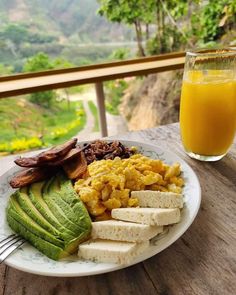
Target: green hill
66, 28
50, 126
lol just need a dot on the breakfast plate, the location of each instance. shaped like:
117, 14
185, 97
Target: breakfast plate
29, 259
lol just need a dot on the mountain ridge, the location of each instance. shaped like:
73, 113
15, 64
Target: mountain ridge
64, 17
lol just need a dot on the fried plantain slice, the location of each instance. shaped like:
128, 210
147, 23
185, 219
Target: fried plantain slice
31, 175
76, 168
28, 162
51, 155
57, 151
69, 156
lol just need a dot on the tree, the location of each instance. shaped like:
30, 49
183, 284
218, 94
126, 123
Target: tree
132, 12
142, 13
61, 63
5, 70
213, 19
40, 62
14, 35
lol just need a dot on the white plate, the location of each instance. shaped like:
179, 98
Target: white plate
28, 259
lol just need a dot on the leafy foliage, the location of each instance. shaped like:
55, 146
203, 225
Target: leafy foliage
40, 62
94, 110
114, 92
213, 19
142, 13
5, 70
120, 54
15, 32
132, 12
178, 22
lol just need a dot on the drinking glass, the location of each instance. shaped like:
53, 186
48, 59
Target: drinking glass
208, 103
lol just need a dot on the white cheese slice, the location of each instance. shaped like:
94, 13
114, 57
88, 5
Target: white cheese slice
111, 251
156, 199
150, 216
124, 231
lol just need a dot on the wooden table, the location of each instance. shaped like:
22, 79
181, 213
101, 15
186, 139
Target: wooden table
201, 262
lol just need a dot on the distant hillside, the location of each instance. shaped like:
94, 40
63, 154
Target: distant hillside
69, 29
63, 18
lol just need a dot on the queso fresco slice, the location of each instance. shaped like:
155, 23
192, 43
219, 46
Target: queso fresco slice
40, 218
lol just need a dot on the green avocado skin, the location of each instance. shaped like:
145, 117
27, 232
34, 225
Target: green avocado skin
50, 216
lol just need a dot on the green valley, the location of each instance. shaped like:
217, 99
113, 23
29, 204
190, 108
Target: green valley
25, 125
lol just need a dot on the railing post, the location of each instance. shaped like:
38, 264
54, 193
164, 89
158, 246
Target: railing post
101, 108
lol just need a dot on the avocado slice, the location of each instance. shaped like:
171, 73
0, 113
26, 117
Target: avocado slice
26, 204
67, 198
15, 211
60, 208
68, 194
52, 251
38, 237
35, 195
50, 216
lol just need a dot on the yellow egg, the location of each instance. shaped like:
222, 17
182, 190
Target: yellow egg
112, 204
109, 182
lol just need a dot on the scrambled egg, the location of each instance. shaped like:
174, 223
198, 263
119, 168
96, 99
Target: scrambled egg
109, 182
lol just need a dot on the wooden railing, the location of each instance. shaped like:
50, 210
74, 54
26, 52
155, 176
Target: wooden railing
54, 79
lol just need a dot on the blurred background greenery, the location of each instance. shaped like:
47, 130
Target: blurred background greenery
38, 35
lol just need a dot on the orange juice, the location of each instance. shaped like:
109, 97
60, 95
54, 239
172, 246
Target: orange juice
208, 113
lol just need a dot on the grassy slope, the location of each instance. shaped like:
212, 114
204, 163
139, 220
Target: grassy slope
30, 120
94, 111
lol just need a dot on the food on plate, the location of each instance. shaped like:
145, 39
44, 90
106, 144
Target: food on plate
156, 199
76, 168
150, 216
31, 175
53, 154
69, 156
143, 225
111, 251
105, 181
50, 216
98, 150
109, 182
73, 159
124, 231
44, 165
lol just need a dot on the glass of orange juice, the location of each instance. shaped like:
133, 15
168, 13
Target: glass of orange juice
208, 103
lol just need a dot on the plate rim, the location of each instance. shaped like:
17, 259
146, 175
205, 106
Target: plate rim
115, 267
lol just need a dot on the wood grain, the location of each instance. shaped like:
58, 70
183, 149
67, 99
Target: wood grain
201, 262
32, 82
3, 270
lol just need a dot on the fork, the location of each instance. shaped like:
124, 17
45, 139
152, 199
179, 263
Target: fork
9, 245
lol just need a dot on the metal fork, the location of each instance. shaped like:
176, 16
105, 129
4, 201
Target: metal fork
9, 245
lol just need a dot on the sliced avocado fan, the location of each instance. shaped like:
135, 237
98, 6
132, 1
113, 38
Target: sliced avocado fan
50, 216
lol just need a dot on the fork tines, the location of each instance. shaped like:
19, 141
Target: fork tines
9, 244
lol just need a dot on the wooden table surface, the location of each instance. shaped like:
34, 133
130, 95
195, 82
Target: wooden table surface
201, 262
